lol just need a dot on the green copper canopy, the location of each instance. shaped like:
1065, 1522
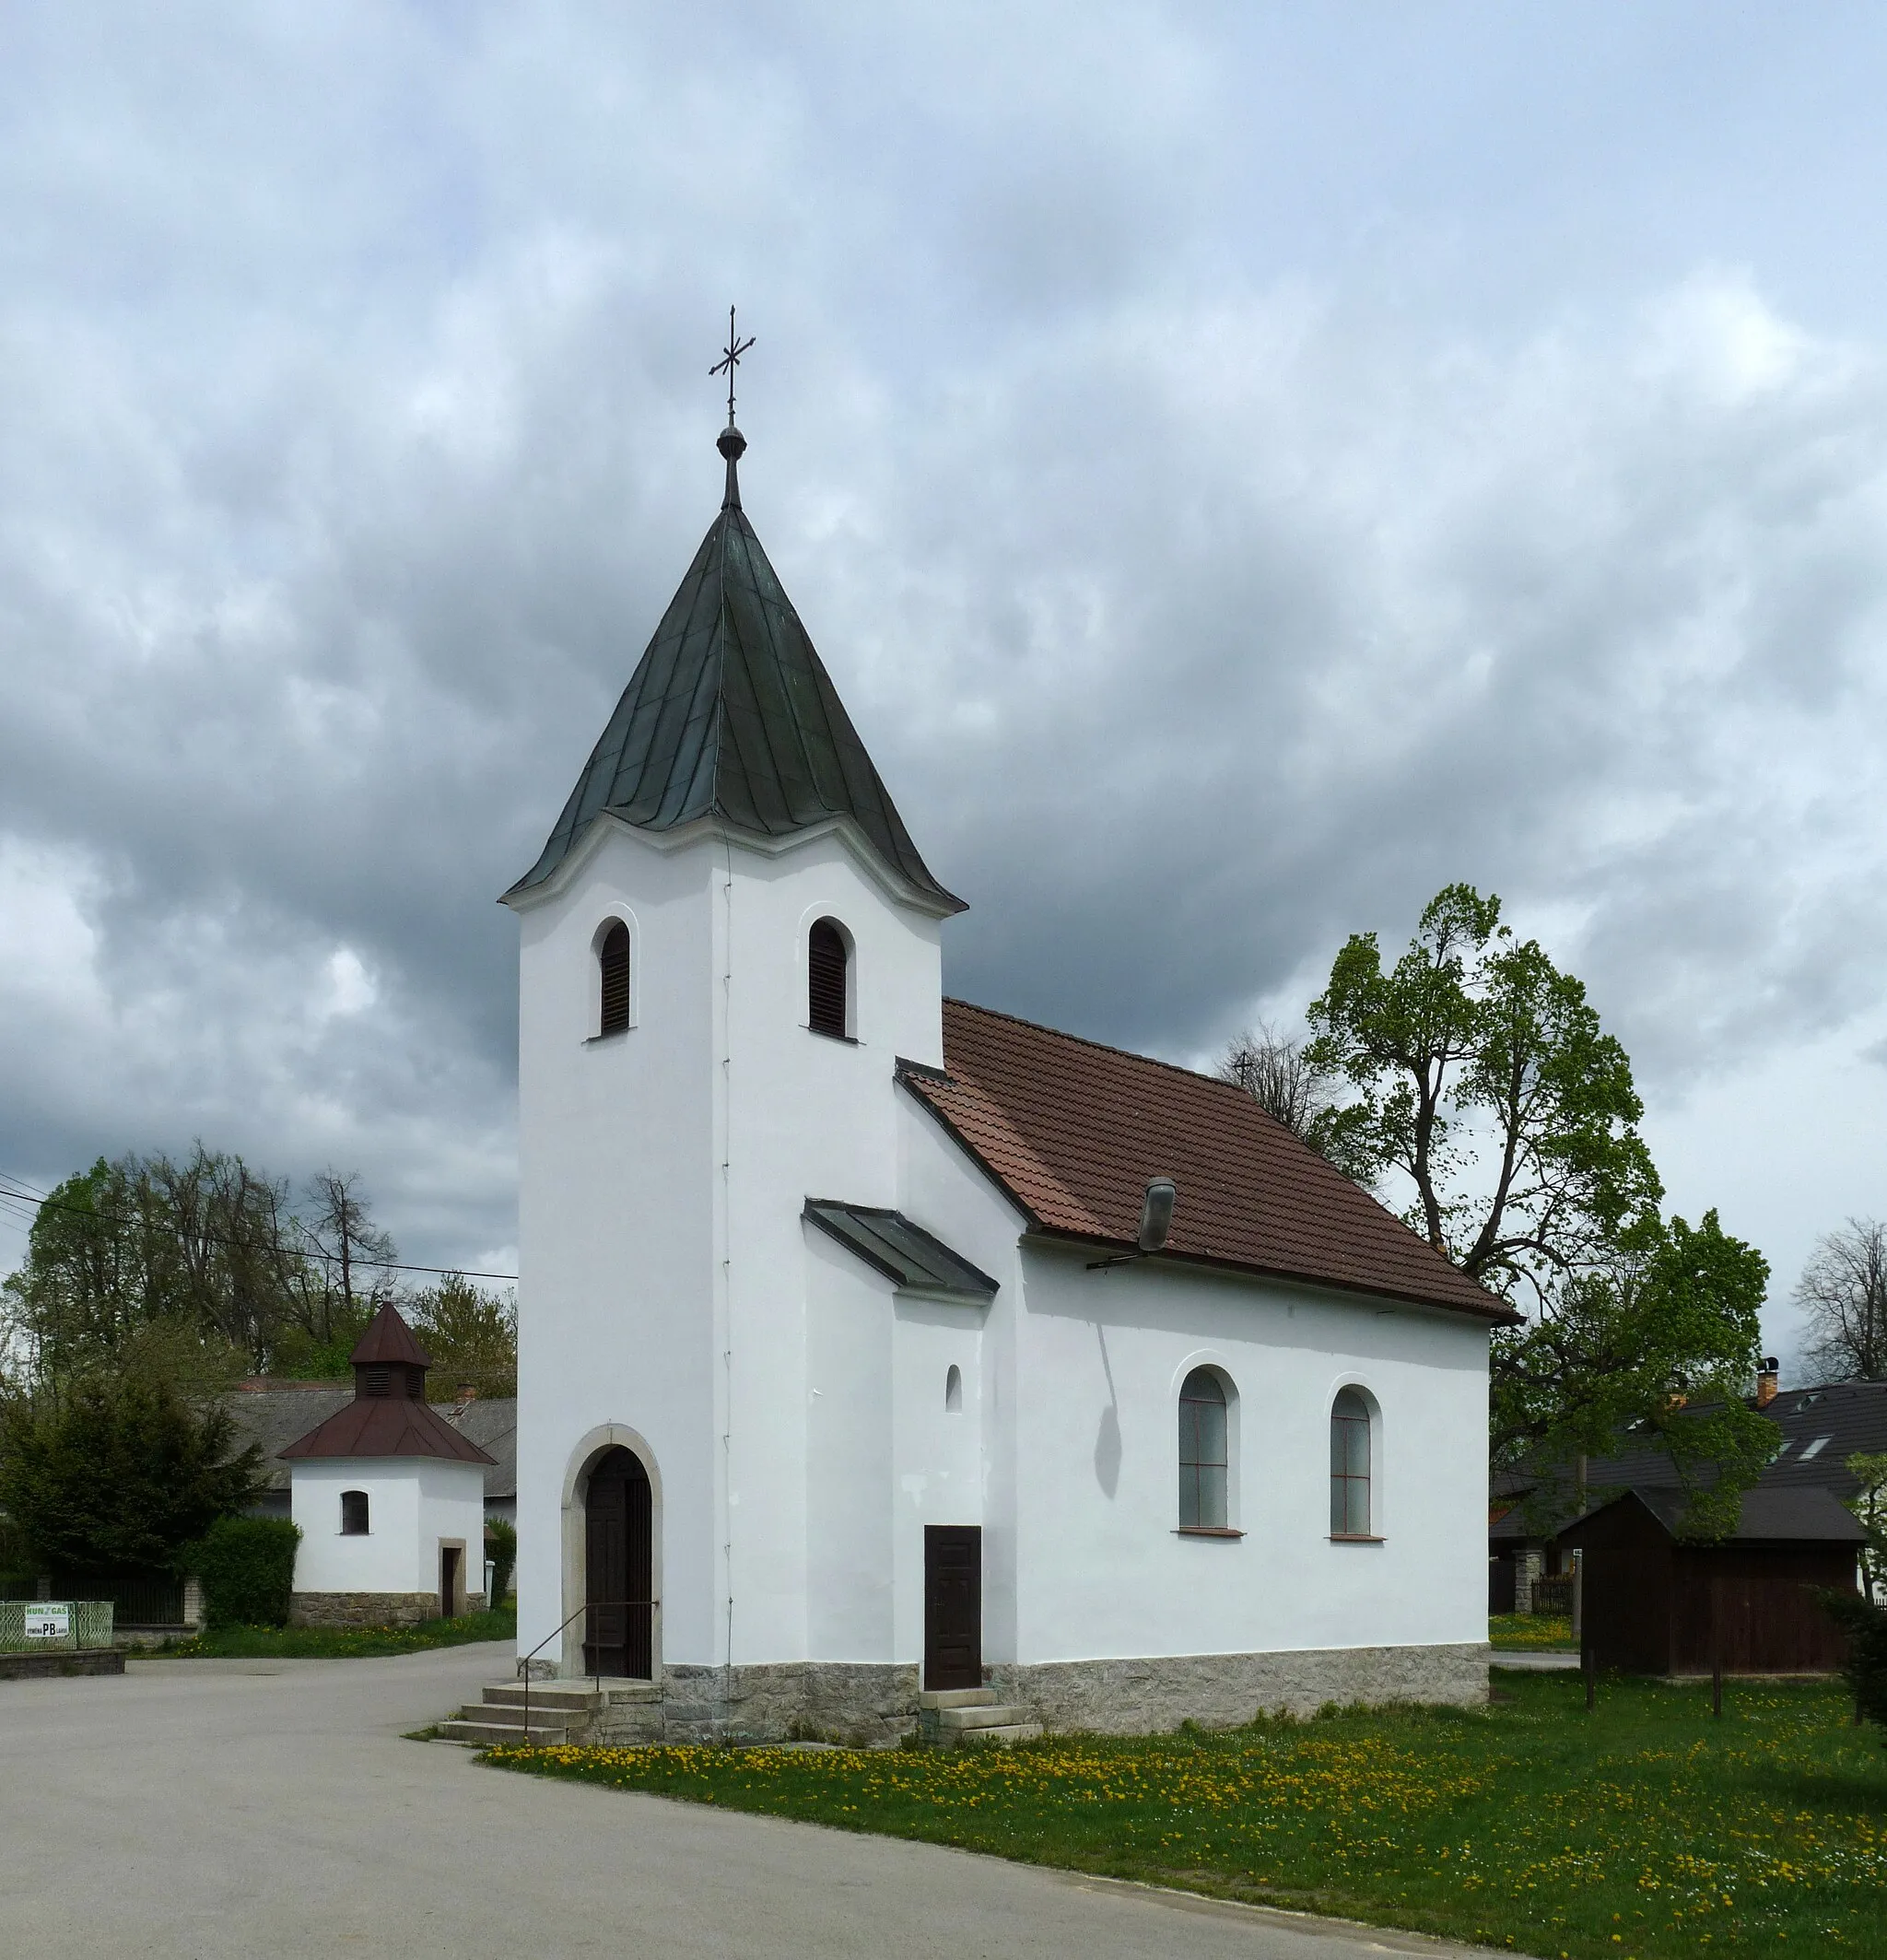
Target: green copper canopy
731, 714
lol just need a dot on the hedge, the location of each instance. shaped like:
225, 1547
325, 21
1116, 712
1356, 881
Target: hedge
247, 1565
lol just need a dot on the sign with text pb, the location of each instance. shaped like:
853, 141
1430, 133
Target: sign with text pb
45, 1621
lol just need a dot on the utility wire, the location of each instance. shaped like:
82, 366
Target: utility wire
38, 1200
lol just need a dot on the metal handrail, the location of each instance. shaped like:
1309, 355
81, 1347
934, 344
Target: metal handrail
524, 1664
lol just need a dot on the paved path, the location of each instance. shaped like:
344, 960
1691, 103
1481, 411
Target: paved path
267, 1808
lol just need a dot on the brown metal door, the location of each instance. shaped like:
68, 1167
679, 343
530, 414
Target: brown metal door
953, 1606
618, 1568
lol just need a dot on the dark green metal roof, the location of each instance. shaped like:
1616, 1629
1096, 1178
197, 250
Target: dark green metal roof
730, 713
911, 1258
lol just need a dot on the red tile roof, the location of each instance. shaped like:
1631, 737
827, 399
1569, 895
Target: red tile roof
385, 1425
1072, 1131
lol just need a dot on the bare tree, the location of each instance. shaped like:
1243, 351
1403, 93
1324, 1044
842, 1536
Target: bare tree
1843, 1293
1276, 1073
347, 1248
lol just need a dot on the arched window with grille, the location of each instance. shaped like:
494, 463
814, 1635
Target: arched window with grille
828, 978
613, 973
1350, 1496
354, 1514
1202, 1453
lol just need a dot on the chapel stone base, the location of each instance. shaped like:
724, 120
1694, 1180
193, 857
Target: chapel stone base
871, 1705
369, 1609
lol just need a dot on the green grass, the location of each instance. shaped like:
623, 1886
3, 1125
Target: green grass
1532, 1632
322, 1643
1645, 1829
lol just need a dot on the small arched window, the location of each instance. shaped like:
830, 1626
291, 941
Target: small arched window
953, 1390
354, 1514
613, 966
828, 959
1350, 1495
1202, 1453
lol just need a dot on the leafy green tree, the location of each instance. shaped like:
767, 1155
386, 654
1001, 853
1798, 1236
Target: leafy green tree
1485, 1090
122, 1476
471, 1336
1869, 1506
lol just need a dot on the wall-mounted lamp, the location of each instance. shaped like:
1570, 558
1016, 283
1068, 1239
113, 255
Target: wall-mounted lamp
1156, 1223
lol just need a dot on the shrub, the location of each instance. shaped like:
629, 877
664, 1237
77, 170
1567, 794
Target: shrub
247, 1565
1866, 1668
501, 1548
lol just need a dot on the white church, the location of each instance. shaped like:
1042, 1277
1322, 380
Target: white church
882, 1351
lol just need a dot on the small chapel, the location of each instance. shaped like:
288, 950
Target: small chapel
888, 1362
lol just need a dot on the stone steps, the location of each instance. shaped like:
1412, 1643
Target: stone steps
954, 1715
555, 1709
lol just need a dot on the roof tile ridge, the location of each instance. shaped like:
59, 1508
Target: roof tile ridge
1107, 1047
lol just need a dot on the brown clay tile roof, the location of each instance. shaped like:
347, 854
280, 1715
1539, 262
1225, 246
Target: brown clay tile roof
1072, 1131
388, 1339
385, 1425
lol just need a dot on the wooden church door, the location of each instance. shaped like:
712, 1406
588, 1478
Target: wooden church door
953, 1606
618, 1569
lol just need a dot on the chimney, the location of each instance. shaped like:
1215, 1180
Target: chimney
468, 1391
1768, 1380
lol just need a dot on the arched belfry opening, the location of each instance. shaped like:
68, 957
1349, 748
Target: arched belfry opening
618, 1568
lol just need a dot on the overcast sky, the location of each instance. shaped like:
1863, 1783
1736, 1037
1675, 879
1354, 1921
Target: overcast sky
1245, 467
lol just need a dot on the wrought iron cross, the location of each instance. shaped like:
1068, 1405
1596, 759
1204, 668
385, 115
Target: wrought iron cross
730, 360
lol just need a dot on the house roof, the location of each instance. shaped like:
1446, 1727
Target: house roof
730, 713
385, 1425
272, 1415
1072, 1131
1804, 1516
912, 1258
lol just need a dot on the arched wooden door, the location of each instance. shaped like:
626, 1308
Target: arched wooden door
618, 1568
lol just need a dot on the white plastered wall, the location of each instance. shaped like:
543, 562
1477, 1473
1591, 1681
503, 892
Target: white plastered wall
415, 1503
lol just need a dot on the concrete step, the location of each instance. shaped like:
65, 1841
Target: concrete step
497, 1717
957, 1698
989, 1715
488, 1734
1005, 1732
544, 1694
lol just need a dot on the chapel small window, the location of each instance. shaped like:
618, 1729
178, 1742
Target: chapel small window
377, 1381
1202, 1456
613, 966
1350, 1468
828, 976
353, 1514
953, 1390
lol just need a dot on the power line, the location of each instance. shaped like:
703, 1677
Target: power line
38, 1200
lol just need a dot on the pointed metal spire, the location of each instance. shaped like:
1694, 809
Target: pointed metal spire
730, 442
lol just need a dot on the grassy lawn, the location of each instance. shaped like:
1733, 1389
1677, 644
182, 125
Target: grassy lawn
1646, 1828
320, 1643
1532, 1631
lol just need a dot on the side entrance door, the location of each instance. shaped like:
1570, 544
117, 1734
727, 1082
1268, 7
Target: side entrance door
953, 1606
449, 1556
618, 1568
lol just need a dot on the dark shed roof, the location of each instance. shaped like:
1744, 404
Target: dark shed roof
731, 713
1807, 1516
912, 1258
1072, 1131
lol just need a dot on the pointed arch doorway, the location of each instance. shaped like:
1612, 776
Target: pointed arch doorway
618, 1568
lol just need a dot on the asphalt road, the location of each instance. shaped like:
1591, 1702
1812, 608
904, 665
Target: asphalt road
262, 1808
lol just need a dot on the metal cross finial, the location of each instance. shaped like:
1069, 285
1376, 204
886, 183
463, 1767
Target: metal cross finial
730, 360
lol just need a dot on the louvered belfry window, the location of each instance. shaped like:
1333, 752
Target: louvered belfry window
613, 957
826, 963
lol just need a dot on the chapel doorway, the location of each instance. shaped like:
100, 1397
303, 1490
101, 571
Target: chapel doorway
450, 1598
618, 1568
953, 1606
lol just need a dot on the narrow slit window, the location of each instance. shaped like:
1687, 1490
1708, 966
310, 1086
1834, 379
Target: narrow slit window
1350, 1468
354, 1514
827, 977
613, 961
1202, 1453
953, 1390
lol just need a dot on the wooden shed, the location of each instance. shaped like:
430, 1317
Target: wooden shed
1655, 1604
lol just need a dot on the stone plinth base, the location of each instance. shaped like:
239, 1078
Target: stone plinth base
362, 1609
870, 1705
1220, 1691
